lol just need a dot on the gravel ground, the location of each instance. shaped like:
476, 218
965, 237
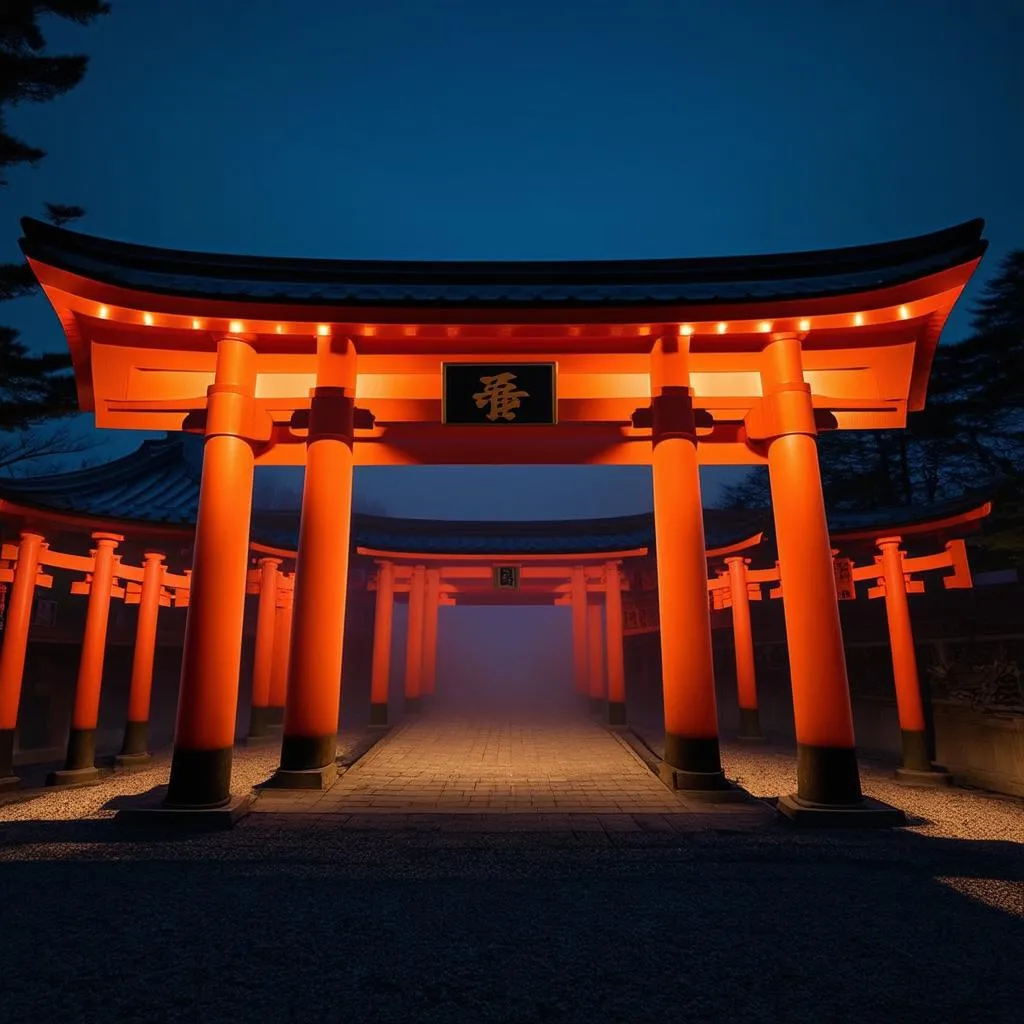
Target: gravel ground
292, 918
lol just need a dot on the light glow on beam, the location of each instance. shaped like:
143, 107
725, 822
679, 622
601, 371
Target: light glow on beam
764, 326
686, 330
804, 325
104, 312
323, 330
722, 328
234, 327
147, 319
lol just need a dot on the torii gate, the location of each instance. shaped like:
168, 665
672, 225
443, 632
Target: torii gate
667, 363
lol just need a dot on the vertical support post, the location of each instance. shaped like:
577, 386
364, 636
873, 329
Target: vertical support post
743, 644
595, 655
414, 639
12, 652
282, 643
263, 653
613, 638
579, 629
310, 742
207, 701
431, 610
917, 763
692, 760
135, 748
383, 617
80, 763
827, 772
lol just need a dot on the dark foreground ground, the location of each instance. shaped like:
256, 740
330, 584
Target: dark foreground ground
480, 917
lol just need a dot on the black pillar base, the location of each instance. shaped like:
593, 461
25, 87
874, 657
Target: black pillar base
616, 712
915, 750
595, 705
136, 739
935, 777
147, 810
200, 779
81, 750
7, 761
308, 753
378, 714
307, 778
827, 776
259, 723
866, 813
275, 716
74, 777
693, 754
413, 705
131, 762
750, 725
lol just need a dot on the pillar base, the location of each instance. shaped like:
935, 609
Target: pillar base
595, 705
867, 813
935, 777
259, 723
74, 777
304, 778
131, 762
750, 725
413, 705
378, 714
149, 810
679, 778
275, 716
9, 783
200, 779
136, 739
616, 712
81, 750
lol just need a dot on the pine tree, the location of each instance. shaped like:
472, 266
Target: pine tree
33, 387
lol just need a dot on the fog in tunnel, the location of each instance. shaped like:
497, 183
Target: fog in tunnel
504, 659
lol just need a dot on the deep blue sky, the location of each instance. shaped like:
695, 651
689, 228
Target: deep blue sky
479, 129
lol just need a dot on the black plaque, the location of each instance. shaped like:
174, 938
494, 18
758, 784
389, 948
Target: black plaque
506, 577
498, 393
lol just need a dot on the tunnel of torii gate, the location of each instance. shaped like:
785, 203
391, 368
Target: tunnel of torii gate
667, 363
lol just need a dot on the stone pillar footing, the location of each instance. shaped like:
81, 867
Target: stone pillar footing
74, 777
750, 725
378, 714
304, 778
148, 810
704, 787
936, 776
131, 762
866, 813
9, 783
616, 712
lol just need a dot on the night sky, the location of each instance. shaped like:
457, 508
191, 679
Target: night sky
486, 130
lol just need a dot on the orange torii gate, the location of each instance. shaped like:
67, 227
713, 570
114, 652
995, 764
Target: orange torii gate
667, 363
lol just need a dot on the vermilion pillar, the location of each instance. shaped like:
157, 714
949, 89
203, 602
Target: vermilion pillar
917, 765
578, 595
613, 639
382, 618
431, 610
743, 644
135, 748
80, 764
263, 653
310, 742
205, 731
691, 718
414, 639
826, 761
595, 655
12, 651
279, 659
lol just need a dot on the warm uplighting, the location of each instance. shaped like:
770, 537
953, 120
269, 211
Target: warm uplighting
858, 319
323, 330
904, 313
147, 319
279, 328
722, 328
195, 325
764, 326
234, 327
104, 312
804, 325
685, 329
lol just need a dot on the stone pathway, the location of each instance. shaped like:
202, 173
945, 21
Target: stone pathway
512, 766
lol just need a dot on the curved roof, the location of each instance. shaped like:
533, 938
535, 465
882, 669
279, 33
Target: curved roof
158, 484
732, 279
